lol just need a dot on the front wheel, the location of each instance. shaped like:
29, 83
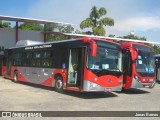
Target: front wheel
59, 84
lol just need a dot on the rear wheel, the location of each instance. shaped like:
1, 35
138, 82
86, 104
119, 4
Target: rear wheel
59, 84
15, 78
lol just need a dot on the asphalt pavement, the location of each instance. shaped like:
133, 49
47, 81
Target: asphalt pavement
30, 97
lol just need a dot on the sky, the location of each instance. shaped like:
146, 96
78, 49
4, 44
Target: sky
140, 16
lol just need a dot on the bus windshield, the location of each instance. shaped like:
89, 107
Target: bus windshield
145, 64
108, 58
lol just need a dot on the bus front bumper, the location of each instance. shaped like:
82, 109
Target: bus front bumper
93, 87
139, 84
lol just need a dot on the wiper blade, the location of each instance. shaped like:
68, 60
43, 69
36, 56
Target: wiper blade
102, 72
107, 70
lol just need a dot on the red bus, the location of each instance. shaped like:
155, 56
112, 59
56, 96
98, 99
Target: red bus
138, 65
82, 64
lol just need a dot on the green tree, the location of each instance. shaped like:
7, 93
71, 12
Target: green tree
50, 27
54, 32
130, 36
96, 21
5, 24
31, 26
156, 49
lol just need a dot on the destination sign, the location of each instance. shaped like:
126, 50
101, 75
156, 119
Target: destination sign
38, 47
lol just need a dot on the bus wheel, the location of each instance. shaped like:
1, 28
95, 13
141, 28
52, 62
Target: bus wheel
158, 82
15, 78
59, 84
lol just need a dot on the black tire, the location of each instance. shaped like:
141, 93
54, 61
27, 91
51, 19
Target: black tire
15, 77
158, 82
59, 84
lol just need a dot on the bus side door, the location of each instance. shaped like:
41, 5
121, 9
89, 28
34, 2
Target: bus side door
127, 69
76, 66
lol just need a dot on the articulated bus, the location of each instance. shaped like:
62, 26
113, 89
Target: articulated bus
83, 64
138, 66
157, 62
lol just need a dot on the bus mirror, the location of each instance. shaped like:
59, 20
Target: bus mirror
94, 48
134, 54
93, 45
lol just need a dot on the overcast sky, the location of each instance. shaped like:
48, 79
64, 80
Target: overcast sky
140, 16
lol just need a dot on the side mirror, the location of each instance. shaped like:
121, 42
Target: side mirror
94, 48
134, 53
92, 43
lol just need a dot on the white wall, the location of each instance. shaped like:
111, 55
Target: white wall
8, 36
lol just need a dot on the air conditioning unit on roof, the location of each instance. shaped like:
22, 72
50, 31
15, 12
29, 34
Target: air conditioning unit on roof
22, 43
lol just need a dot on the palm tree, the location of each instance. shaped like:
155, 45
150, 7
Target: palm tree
96, 22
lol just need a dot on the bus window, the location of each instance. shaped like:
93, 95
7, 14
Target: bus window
28, 55
17, 59
28, 59
38, 63
47, 54
37, 55
46, 62
33, 63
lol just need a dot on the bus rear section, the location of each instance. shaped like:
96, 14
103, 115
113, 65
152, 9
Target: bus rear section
139, 66
83, 65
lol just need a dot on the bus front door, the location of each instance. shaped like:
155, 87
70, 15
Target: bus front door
76, 65
127, 69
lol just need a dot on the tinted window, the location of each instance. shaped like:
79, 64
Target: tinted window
142, 48
17, 59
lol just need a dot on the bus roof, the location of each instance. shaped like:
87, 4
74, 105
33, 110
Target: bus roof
130, 44
23, 43
32, 43
112, 38
27, 43
21, 19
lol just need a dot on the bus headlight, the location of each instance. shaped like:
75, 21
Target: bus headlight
136, 78
93, 85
